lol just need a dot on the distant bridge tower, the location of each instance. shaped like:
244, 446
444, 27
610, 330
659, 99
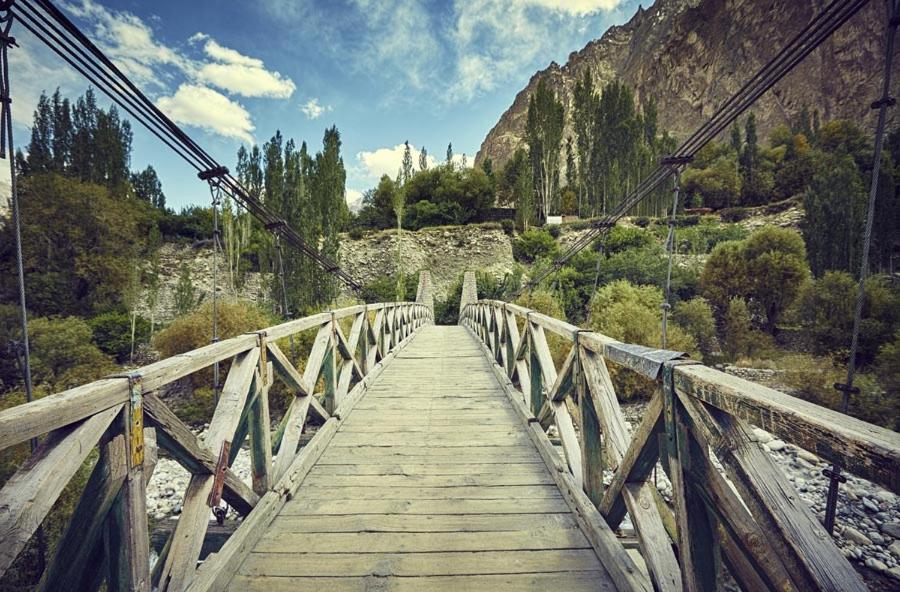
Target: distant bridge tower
425, 291
469, 291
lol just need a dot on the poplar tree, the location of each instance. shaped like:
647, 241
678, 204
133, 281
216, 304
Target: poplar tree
543, 130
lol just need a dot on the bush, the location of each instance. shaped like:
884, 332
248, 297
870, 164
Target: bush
631, 314
112, 334
734, 214
356, 233
534, 244
888, 365
696, 317
508, 226
554, 230
384, 288
739, 338
642, 221
622, 238
546, 303
825, 309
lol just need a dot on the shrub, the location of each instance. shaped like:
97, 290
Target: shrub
546, 303
888, 365
825, 309
622, 238
734, 214
738, 336
533, 244
356, 233
384, 288
554, 230
696, 318
631, 314
508, 226
195, 330
112, 333
642, 221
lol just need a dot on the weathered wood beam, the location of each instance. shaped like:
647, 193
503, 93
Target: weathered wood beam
127, 534
734, 520
30, 493
609, 549
188, 536
812, 559
863, 449
260, 434
294, 380
181, 443
66, 571
645, 515
695, 537
637, 463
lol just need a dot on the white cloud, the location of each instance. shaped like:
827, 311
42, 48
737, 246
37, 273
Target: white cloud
208, 109
240, 74
388, 160
313, 109
576, 7
128, 41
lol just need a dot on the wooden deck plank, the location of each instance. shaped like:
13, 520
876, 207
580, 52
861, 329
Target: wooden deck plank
573, 581
278, 541
425, 523
418, 564
432, 482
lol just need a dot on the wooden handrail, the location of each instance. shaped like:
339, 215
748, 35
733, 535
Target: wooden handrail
113, 410
766, 538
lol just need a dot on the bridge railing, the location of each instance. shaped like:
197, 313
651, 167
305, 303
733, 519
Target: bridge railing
109, 526
698, 419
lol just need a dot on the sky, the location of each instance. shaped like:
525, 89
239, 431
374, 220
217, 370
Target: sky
383, 71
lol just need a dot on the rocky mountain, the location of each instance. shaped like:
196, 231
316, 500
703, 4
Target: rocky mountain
693, 54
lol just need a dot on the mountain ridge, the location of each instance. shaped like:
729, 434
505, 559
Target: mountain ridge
693, 54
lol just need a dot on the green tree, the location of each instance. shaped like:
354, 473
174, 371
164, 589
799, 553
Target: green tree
738, 336
185, 293
725, 275
776, 264
534, 244
718, 185
544, 130
148, 188
423, 160
695, 316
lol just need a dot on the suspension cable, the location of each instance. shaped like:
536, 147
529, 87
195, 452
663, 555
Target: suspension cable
216, 194
670, 250
50, 26
846, 389
832, 17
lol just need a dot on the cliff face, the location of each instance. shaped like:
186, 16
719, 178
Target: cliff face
691, 55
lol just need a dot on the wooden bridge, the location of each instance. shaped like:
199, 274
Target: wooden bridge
431, 467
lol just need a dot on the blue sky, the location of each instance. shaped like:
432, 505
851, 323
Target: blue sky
383, 71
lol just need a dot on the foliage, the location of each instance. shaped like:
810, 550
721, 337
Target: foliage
544, 131
546, 303
695, 316
82, 141
622, 238
739, 338
825, 309
112, 333
631, 314
308, 193
534, 244
888, 365
81, 263
516, 188
718, 185
148, 188
384, 288
508, 226
185, 293
194, 330
767, 269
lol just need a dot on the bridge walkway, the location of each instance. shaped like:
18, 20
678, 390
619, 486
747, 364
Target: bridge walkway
431, 483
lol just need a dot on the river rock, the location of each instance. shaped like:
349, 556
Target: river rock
875, 564
762, 436
891, 528
895, 548
776, 445
851, 534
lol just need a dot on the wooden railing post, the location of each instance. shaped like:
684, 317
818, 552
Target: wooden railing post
260, 424
128, 535
591, 442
